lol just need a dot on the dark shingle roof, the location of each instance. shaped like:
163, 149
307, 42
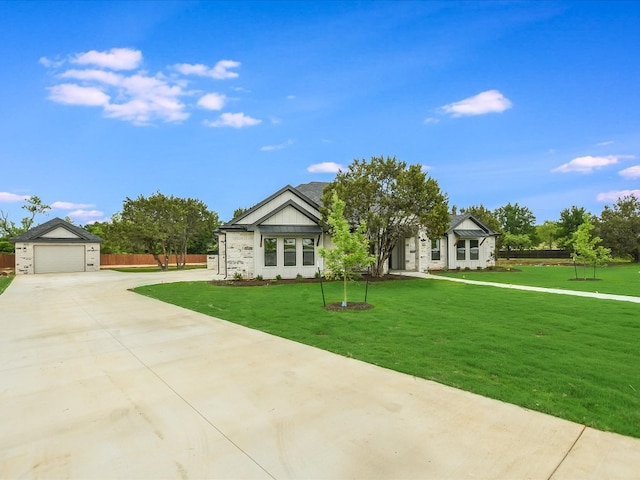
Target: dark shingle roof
313, 190
36, 233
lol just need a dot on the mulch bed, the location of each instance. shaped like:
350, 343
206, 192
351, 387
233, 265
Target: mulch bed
284, 281
351, 307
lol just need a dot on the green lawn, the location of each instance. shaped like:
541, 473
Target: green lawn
618, 279
575, 358
4, 282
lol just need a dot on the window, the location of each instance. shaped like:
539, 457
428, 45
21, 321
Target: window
474, 250
435, 249
308, 252
461, 252
270, 252
289, 252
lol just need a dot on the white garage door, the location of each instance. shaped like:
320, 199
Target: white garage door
58, 258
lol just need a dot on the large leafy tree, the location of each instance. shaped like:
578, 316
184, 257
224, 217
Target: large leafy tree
393, 199
548, 233
570, 220
518, 225
162, 225
351, 249
619, 227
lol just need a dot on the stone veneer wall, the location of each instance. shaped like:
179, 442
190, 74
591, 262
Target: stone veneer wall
240, 254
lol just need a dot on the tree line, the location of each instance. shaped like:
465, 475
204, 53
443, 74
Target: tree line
392, 198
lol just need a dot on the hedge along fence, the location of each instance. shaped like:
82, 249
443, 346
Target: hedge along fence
132, 259
534, 254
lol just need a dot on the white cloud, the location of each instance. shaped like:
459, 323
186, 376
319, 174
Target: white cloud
589, 163
114, 59
86, 216
7, 197
431, 120
73, 94
491, 101
220, 71
281, 146
631, 172
138, 97
425, 168
234, 120
604, 144
50, 63
70, 205
614, 195
325, 167
100, 76
212, 101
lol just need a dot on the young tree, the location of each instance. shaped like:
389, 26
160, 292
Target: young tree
619, 227
586, 249
393, 199
351, 251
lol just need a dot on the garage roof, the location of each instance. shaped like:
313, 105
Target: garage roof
36, 234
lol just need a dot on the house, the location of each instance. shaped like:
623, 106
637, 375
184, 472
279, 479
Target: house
56, 246
468, 243
281, 236
278, 236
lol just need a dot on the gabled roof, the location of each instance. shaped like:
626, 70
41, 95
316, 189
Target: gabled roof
482, 231
36, 234
289, 203
310, 193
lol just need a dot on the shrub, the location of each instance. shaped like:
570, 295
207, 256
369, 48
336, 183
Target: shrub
259, 278
278, 277
299, 278
237, 276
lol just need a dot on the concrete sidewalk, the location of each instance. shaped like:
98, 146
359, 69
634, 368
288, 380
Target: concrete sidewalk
99, 382
557, 291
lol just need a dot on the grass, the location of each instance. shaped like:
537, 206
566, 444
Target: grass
5, 282
619, 279
151, 269
571, 357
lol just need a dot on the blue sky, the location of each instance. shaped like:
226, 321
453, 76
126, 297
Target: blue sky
530, 102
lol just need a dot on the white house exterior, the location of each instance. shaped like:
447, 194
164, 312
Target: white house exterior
278, 236
467, 244
56, 246
281, 236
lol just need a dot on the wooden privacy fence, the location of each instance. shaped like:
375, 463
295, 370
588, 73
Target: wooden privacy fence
7, 260
111, 259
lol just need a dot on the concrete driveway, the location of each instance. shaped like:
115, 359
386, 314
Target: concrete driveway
98, 382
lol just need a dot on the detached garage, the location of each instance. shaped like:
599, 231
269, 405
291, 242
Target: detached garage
57, 247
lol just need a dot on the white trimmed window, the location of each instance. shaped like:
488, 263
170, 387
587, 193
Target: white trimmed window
308, 252
270, 252
474, 250
435, 249
461, 250
289, 252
